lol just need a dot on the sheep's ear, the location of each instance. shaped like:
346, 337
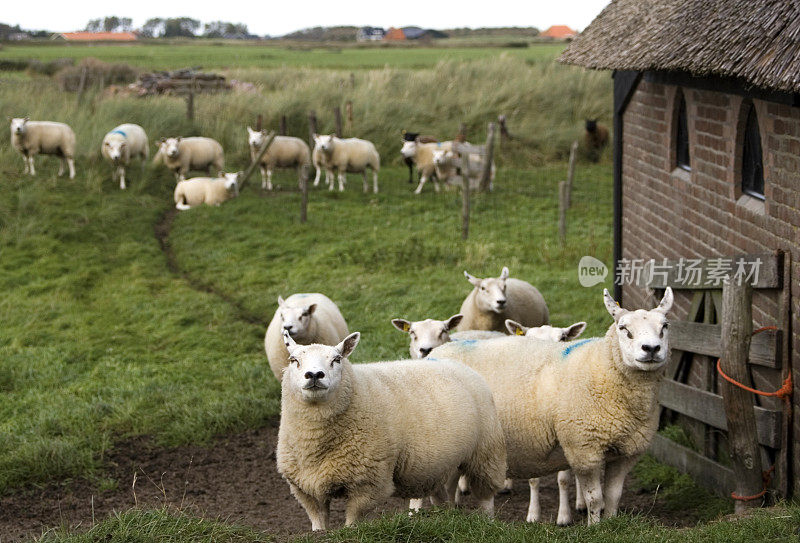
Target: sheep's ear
26, 118
250, 130
514, 328
504, 273
666, 302
572, 332
472, 279
311, 308
453, 321
291, 345
612, 306
316, 136
402, 325
281, 301
348, 344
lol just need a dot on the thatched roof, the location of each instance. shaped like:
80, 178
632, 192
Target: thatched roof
756, 40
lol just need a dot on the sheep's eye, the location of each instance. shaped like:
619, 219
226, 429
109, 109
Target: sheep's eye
663, 328
335, 360
305, 313
630, 336
413, 335
293, 360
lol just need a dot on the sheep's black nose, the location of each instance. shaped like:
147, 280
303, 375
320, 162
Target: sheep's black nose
501, 303
315, 376
287, 327
425, 352
651, 348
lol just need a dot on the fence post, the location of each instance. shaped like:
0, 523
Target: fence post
562, 212
348, 109
304, 193
573, 155
352, 79
312, 127
737, 329
486, 175
283, 125
259, 122
337, 114
462, 133
464, 194
504, 134
82, 84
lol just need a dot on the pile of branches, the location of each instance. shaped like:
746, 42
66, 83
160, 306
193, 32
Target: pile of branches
179, 82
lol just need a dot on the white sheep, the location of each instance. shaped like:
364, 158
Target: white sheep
546, 332
350, 155
365, 432
309, 318
318, 162
590, 405
206, 190
422, 156
120, 145
31, 138
181, 155
446, 163
495, 299
283, 152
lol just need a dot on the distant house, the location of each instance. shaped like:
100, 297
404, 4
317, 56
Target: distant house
413, 33
96, 36
559, 32
19, 36
370, 33
394, 34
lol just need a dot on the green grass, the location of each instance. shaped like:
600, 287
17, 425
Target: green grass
158, 56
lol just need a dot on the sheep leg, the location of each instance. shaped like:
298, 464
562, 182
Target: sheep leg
592, 492
356, 507
317, 176
30, 165
580, 503
616, 472
564, 517
342, 180
121, 174
263, 178
461, 490
318, 512
508, 484
422, 181
415, 504
61, 167
366, 185
375, 181
71, 164
534, 509
269, 179
329, 179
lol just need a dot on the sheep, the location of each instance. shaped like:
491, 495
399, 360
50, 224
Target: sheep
368, 431
206, 190
589, 405
495, 299
197, 153
546, 332
595, 139
31, 138
447, 162
415, 136
421, 154
121, 144
316, 161
283, 152
309, 318
350, 155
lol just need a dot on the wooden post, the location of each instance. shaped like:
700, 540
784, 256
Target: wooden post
573, 155
562, 212
348, 109
256, 159
462, 133
337, 114
737, 329
486, 175
304, 193
464, 194
259, 122
312, 127
82, 84
283, 125
504, 134
352, 79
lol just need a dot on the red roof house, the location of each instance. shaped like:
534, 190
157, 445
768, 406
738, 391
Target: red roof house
559, 32
394, 34
97, 36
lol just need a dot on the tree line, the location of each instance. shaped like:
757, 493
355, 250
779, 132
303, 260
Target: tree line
170, 27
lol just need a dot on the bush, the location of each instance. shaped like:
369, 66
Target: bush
49, 68
98, 74
13, 64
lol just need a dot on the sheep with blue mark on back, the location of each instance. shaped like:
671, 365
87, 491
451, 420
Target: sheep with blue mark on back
120, 145
590, 405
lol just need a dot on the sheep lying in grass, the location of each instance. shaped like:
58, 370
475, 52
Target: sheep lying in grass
495, 299
120, 145
350, 155
590, 405
365, 432
421, 154
546, 332
31, 138
283, 152
447, 162
181, 155
211, 191
309, 318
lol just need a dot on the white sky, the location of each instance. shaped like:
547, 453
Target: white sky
292, 15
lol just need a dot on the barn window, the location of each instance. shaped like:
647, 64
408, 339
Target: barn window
752, 166
682, 136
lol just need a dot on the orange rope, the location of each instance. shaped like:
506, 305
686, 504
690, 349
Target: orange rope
784, 392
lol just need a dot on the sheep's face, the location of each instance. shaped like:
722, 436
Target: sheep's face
643, 335
324, 142
591, 125
115, 148
490, 292
18, 125
316, 370
296, 318
409, 149
255, 137
428, 334
232, 183
171, 147
546, 332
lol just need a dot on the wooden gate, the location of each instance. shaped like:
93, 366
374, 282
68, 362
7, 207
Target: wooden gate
690, 395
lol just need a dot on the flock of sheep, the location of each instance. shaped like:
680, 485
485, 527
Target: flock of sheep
471, 407
336, 156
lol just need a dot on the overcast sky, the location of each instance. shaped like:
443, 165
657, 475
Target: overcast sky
278, 18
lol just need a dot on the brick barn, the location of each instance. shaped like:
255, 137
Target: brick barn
707, 159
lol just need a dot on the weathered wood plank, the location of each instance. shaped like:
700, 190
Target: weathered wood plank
707, 273
701, 338
705, 471
709, 408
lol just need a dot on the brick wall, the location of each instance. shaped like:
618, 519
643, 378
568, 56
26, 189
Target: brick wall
672, 213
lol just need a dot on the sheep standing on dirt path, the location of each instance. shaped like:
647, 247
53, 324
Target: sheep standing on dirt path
365, 432
31, 138
123, 143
